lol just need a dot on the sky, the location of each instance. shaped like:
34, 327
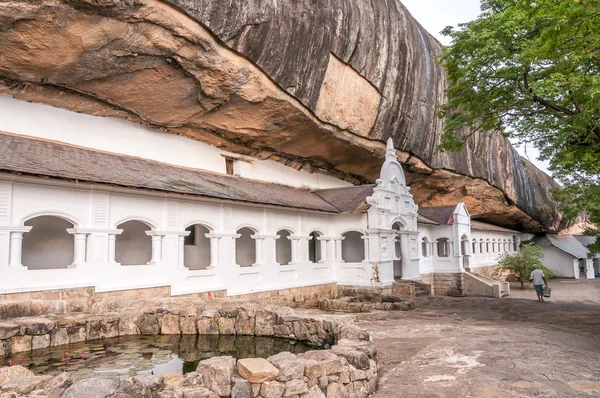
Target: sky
435, 15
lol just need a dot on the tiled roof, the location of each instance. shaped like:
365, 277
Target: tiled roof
568, 244
421, 219
34, 156
441, 214
483, 226
585, 240
348, 199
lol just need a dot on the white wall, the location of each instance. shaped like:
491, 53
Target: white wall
562, 264
489, 258
48, 244
124, 137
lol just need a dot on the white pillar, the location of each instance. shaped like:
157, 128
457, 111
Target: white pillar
405, 256
323, 252
112, 248
294, 251
259, 251
214, 252
181, 250
365, 239
156, 247
79, 247
338, 249
15, 249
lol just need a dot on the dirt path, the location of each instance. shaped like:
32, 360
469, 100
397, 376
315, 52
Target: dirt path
479, 347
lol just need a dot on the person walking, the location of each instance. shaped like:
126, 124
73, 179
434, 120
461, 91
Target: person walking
539, 280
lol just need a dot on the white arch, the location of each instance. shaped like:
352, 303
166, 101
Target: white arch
290, 230
352, 230
318, 231
251, 227
200, 222
399, 220
141, 219
52, 213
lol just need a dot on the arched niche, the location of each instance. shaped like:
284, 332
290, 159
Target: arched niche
314, 247
443, 247
283, 247
48, 245
245, 248
133, 246
464, 245
353, 247
196, 247
425, 247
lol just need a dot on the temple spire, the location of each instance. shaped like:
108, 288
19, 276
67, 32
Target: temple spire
390, 151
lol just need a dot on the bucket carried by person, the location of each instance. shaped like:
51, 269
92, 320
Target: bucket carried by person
547, 291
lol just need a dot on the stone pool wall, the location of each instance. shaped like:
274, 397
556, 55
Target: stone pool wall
347, 367
86, 299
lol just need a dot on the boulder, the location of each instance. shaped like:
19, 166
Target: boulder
241, 389
321, 363
315, 392
289, 365
59, 336
257, 370
216, 373
272, 389
129, 389
92, 388
154, 382
102, 328
149, 324
295, 387
173, 381
245, 321
226, 325
188, 325
170, 324
21, 344
38, 326
8, 330
208, 326
355, 357
24, 385
7, 373
197, 392
42, 341
264, 323
336, 390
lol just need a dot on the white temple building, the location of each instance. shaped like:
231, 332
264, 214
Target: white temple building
99, 202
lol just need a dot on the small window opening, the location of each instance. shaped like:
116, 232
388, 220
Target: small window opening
229, 166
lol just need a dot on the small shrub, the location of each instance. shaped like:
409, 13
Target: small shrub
520, 265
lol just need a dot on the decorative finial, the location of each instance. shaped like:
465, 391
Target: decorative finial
390, 150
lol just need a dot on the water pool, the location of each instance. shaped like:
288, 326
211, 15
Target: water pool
139, 355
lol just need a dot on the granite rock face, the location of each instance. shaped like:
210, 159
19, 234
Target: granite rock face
318, 86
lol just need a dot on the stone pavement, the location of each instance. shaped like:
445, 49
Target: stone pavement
482, 347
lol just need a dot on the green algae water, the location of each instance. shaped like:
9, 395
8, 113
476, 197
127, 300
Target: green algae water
146, 355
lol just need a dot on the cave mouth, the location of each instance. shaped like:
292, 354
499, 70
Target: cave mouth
148, 354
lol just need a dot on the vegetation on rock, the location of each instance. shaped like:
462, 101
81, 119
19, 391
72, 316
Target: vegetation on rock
532, 70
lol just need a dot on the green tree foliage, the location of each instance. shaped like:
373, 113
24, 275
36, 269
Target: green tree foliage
532, 68
520, 265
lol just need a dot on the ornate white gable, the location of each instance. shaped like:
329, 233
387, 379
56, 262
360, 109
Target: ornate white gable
391, 201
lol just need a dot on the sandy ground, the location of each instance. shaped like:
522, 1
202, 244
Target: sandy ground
480, 347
